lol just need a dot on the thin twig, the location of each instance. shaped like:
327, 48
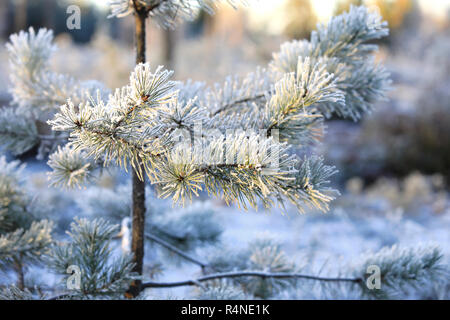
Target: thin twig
175, 250
52, 138
226, 275
61, 296
237, 102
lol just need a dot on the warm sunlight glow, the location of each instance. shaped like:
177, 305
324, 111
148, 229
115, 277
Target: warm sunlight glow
268, 14
324, 8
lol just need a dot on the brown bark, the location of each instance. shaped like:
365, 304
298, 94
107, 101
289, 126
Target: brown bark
138, 185
20, 15
140, 17
20, 275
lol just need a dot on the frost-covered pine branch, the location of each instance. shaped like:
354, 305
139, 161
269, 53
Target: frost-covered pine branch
18, 133
342, 47
140, 122
223, 292
403, 268
37, 93
71, 168
103, 273
175, 250
14, 293
25, 246
35, 88
24, 238
262, 255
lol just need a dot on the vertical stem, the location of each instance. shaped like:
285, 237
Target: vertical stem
138, 226
20, 275
140, 17
138, 185
20, 15
49, 19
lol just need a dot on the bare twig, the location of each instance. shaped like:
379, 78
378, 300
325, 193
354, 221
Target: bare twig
53, 138
238, 102
175, 250
227, 275
61, 296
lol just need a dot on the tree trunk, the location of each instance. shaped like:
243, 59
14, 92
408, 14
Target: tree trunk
168, 48
49, 21
138, 191
20, 15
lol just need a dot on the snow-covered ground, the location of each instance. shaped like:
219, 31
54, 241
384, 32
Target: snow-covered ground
406, 212
331, 242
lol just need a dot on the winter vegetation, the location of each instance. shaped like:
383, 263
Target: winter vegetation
200, 154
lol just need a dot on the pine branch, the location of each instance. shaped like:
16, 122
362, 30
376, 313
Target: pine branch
18, 132
89, 248
70, 167
25, 245
35, 88
14, 293
246, 92
343, 46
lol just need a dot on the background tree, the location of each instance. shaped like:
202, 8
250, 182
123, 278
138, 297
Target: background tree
301, 19
24, 237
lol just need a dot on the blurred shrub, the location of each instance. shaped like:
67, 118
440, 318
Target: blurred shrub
419, 139
397, 142
403, 136
415, 193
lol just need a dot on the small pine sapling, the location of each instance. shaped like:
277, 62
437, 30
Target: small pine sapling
237, 140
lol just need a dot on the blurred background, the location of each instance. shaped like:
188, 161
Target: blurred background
394, 165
